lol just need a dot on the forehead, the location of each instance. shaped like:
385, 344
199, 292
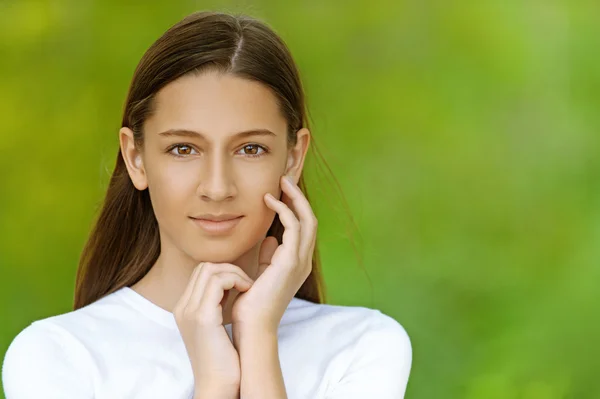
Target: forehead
215, 103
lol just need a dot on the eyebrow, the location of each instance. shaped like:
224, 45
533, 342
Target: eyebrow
192, 133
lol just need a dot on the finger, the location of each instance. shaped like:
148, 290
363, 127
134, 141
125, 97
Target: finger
291, 232
285, 198
308, 220
297, 202
304, 212
187, 293
217, 285
209, 269
228, 267
224, 300
265, 254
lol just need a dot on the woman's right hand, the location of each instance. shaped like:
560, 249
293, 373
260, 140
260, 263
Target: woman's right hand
199, 316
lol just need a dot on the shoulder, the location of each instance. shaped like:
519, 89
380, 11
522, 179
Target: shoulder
86, 323
42, 336
44, 360
386, 332
50, 358
364, 320
376, 348
365, 327
386, 342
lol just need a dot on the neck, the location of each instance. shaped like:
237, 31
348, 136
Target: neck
169, 276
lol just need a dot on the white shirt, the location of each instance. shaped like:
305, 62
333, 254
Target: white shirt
125, 346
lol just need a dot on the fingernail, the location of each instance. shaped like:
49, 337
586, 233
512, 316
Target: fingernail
290, 180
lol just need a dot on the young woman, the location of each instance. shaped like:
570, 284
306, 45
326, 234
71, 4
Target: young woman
201, 276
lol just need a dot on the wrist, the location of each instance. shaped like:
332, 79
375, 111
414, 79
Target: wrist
216, 395
217, 391
245, 335
256, 329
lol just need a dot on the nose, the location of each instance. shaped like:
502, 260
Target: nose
216, 180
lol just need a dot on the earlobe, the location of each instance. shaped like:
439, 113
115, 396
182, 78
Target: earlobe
133, 159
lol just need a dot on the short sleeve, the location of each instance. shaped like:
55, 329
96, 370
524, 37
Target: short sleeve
40, 363
380, 364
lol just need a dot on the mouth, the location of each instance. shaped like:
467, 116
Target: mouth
217, 227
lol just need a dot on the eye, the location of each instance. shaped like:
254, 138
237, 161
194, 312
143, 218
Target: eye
181, 150
254, 148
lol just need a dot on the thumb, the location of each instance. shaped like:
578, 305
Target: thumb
267, 249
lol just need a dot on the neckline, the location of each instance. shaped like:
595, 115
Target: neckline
163, 316
147, 307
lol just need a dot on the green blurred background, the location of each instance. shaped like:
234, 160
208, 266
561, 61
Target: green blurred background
464, 135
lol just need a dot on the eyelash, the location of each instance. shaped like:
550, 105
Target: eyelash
265, 150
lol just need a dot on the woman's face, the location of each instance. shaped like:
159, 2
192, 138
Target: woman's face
215, 170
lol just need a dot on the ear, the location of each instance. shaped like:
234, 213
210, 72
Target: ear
133, 159
296, 155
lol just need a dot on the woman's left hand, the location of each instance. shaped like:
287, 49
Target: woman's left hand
282, 268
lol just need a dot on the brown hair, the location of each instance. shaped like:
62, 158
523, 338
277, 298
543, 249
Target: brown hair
124, 242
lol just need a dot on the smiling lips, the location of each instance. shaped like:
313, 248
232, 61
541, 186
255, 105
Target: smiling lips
217, 224
217, 218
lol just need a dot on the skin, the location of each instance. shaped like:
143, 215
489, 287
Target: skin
252, 276
217, 176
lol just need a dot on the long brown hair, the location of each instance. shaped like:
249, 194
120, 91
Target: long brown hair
124, 242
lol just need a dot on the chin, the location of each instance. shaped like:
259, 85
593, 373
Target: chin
220, 251
215, 255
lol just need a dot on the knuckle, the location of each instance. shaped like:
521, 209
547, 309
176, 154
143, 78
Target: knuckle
209, 268
237, 268
212, 279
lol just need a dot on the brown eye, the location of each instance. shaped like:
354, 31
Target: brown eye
252, 152
186, 150
181, 150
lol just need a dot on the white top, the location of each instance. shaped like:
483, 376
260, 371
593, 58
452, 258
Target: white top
125, 346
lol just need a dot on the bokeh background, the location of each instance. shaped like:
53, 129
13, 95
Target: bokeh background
464, 136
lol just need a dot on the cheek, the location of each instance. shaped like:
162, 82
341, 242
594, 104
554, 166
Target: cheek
251, 190
168, 193
257, 182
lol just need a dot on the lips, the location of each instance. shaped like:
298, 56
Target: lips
217, 218
217, 227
